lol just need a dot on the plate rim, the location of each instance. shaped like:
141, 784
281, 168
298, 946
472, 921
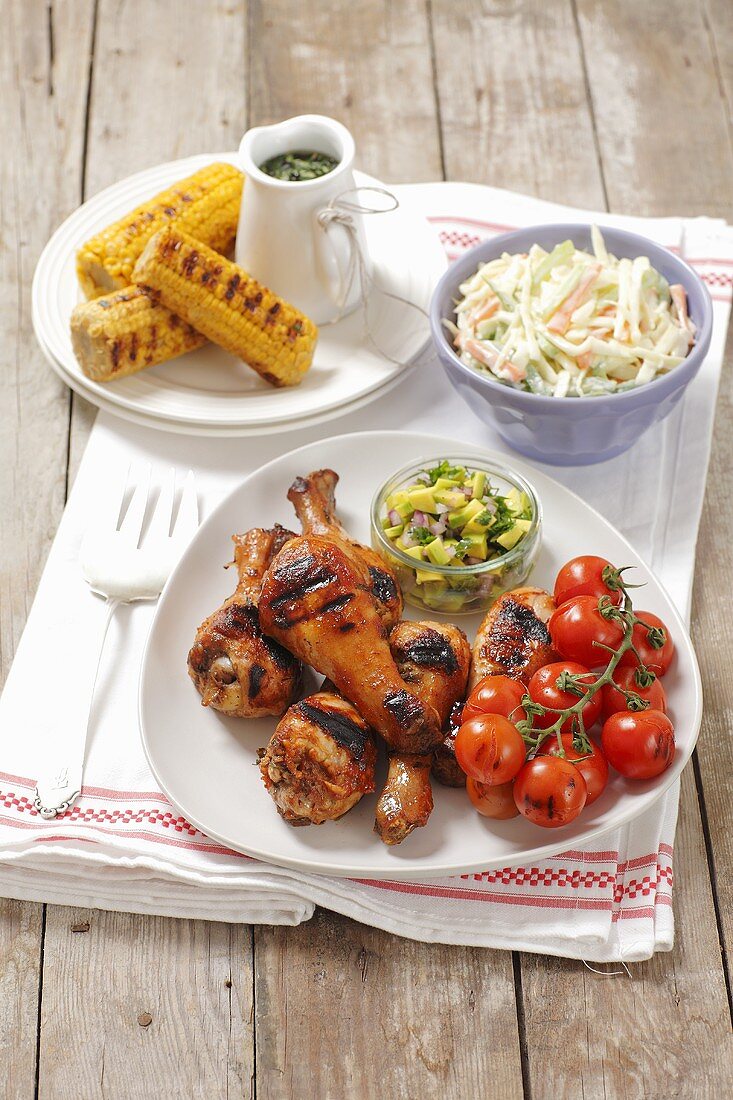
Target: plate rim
195, 424
409, 873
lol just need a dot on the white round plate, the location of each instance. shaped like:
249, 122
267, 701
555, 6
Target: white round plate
209, 390
205, 763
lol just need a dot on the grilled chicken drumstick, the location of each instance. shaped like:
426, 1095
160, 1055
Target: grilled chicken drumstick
434, 659
513, 639
318, 600
314, 500
236, 669
320, 760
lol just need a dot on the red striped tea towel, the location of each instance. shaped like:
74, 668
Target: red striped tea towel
124, 847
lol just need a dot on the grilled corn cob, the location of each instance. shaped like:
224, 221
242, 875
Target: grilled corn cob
221, 300
125, 332
206, 205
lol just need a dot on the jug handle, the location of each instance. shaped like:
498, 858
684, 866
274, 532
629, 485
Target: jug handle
336, 261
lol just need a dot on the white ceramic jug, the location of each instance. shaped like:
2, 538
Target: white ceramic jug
280, 240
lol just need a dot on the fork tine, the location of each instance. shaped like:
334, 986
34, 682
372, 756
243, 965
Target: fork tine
160, 524
133, 521
188, 513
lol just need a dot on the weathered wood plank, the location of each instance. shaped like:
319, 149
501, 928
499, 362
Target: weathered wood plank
144, 1007
513, 101
365, 62
164, 85
344, 1010
43, 76
713, 632
319, 1018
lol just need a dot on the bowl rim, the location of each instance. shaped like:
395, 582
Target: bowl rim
508, 558
662, 384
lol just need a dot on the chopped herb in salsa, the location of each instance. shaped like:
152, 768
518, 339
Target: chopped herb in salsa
299, 166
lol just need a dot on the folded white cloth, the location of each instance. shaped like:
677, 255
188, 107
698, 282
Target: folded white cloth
123, 847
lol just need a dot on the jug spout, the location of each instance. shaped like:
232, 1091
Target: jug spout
279, 240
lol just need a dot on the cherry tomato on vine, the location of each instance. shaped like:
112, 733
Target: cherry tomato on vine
496, 695
575, 627
593, 767
584, 577
543, 689
624, 677
657, 657
639, 746
550, 792
490, 749
495, 801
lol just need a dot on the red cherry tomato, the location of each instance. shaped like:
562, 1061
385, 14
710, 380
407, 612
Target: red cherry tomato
496, 695
495, 802
593, 767
639, 746
490, 749
543, 689
577, 625
656, 651
614, 700
550, 791
584, 577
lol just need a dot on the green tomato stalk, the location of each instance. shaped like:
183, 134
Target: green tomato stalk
578, 683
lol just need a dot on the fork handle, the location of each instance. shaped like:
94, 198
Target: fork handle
56, 793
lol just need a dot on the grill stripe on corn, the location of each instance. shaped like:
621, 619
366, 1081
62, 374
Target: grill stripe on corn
205, 205
221, 300
124, 332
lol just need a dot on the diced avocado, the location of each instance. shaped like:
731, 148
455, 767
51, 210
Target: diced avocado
422, 576
475, 526
511, 537
422, 499
446, 483
394, 532
436, 552
477, 545
464, 515
404, 509
479, 484
450, 497
514, 501
411, 551
399, 497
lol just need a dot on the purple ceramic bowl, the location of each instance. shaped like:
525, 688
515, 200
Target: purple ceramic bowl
570, 431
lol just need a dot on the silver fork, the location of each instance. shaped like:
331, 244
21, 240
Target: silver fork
120, 569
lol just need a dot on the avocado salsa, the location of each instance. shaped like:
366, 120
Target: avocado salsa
453, 517
299, 166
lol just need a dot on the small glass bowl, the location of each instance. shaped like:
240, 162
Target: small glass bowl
458, 589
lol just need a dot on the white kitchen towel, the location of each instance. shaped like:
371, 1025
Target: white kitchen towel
124, 847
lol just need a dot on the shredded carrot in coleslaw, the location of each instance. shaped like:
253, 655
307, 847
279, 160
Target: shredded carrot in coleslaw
569, 323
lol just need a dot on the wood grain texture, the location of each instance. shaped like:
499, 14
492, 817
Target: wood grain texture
513, 100
365, 62
192, 978
41, 134
347, 1011
660, 117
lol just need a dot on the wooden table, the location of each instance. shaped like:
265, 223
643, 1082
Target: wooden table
624, 104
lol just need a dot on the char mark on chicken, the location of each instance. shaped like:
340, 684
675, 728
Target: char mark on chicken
320, 760
236, 668
514, 639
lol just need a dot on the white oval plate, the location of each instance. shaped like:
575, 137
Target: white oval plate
205, 763
209, 389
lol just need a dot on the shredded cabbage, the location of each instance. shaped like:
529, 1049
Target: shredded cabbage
569, 323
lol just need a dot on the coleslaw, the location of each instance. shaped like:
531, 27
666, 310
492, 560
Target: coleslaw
569, 323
